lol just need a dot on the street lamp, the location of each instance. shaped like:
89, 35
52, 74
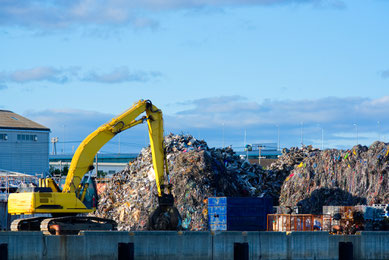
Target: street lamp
356, 130
223, 134
379, 134
278, 137
63, 142
302, 134
322, 136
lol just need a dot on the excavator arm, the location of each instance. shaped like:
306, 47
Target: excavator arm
83, 158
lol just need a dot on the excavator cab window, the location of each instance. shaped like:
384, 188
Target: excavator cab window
90, 199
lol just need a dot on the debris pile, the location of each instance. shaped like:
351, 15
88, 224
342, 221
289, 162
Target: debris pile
336, 177
306, 177
196, 172
281, 169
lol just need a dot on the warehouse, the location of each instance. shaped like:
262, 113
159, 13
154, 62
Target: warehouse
24, 144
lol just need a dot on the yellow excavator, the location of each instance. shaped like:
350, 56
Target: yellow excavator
74, 198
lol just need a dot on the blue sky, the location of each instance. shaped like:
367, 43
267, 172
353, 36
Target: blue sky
218, 69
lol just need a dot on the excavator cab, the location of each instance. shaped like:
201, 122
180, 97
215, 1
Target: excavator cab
89, 191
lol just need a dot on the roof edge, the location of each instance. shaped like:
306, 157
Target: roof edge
25, 128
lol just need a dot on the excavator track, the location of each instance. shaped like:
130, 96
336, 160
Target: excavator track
72, 225
27, 224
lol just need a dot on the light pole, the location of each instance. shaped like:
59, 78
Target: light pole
63, 142
356, 130
278, 137
322, 136
245, 138
302, 134
54, 140
244, 144
223, 135
97, 167
379, 133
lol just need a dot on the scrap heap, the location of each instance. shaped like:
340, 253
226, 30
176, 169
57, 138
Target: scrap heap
306, 177
281, 169
336, 177
196, 172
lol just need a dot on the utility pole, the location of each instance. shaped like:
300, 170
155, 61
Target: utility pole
322, 139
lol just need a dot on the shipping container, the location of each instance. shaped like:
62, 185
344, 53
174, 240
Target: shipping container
238, 213
298, 222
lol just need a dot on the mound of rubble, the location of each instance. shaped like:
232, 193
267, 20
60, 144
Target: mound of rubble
196, 172
335, 177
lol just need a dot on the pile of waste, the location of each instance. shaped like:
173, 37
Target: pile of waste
335, 177
305, 177
196, 173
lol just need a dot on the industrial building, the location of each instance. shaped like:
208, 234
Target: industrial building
107, 163
24, 144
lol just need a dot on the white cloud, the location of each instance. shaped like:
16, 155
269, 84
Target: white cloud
63, 75
230, 116
60, 14
236, 110
37, 74
121, 74
336, 116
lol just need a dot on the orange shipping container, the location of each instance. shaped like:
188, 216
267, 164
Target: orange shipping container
298, 222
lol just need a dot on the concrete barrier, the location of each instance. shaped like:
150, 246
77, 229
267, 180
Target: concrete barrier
374, 245
193, 245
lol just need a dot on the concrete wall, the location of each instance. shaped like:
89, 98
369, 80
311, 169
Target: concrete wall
193, 245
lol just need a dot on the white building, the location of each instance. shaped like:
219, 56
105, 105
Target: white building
107, 163
24, 144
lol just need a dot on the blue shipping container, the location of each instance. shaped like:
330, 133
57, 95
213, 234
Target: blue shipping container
238, 214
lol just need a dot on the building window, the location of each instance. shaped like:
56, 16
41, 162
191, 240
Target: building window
27, 138
4, 137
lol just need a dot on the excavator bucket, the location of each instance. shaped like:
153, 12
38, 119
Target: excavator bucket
165, 216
